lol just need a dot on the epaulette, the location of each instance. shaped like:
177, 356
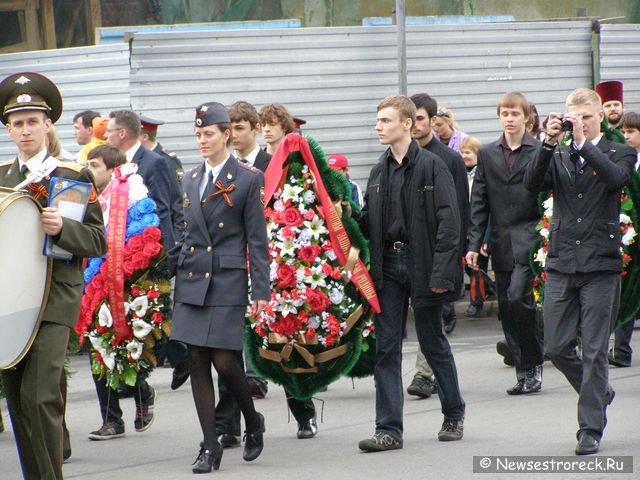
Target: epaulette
76, 167
167, 152
247, 166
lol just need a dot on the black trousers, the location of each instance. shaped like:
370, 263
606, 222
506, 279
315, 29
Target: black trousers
518, 315
622, 341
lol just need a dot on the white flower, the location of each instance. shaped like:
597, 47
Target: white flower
331, 255
140, 328
278, 206
129, 169
313, 322
628, 237
104, 316
336, 296
304, 237
135, 349
315, 227
309, 197
541, 256
544, 232
316, 278
291, 192
140, 306
95, 342
625, 219
137, 189
288, 247
548, 203
109, 359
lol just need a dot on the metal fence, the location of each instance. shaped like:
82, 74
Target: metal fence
333, 77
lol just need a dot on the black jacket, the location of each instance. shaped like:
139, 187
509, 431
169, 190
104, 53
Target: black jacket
514, 211
455, 164
585, 229
432, 221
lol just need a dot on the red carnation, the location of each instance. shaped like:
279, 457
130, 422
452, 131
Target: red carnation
135, 243
309, 214
156, 317
286, 276
128, 268
152, 249
153, 294
309, 254
292, 217
152, 235
288, 233
318, 301
136, 291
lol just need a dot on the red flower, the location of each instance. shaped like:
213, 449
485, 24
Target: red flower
151, 235
326, 269
311, 332
309, 214
136, 291
288, 233
152, 249
318, 301
153, 294
128, 268
135, 243
309, 254
292, 217
156, 317
286, 276
261, 331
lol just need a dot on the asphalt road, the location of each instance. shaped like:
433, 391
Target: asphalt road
496, 424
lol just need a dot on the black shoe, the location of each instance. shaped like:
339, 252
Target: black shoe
228, 441
587, 444
180, 375
308, 429
66, 444
618, 361
421, 386
258, 387
108, 431
503, 350
517, 388
380, 442
253, 442
532, 380
473, 311
452, 429
207, 460
449, 324
144, 412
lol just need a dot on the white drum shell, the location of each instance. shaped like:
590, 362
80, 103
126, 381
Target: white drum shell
24, 276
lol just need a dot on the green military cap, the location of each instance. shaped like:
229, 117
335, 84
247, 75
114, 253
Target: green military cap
29, 91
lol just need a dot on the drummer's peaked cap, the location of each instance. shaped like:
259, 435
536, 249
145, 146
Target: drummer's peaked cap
29, 91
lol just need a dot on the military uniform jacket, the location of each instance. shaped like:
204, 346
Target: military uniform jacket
175, 166
212, 259
514, 211
585, 229
86, 239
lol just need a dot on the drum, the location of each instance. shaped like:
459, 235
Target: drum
24, 275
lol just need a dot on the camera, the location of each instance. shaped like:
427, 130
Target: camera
567, 126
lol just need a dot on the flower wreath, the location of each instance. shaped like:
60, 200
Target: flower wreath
124, 321
318, 321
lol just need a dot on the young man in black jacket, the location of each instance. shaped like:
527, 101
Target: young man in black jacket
583, 264
412, 221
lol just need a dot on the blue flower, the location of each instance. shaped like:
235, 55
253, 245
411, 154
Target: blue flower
150, 220
146, 205
93, 267
134, 228
134, 213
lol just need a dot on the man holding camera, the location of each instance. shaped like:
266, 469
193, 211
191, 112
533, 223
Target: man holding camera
583, 262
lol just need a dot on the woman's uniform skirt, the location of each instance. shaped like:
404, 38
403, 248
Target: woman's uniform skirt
214, 327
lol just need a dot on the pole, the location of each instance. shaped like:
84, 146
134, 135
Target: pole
402, 47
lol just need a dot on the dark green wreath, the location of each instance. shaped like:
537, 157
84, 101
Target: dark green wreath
304, 385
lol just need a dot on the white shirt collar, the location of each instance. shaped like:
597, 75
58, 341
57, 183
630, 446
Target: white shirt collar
215, 170
132, 151
251, 158
34, 162
596, 140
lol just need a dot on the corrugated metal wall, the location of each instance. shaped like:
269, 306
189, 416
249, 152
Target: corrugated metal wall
334, 77
89, 78
620, 60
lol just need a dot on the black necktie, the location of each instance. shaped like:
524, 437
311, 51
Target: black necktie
244, 160
208, 189
23, 172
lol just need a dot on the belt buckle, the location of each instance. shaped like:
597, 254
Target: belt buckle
398, 246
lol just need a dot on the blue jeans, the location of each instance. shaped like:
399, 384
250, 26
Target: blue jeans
390, 324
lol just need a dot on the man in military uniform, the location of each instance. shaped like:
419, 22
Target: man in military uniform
148, 137
30, 104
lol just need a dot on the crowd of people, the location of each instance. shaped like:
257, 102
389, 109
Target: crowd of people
437, 203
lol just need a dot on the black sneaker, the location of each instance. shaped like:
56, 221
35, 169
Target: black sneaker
308, 429
380, 442
451, 430
505, 352
449, 323
144, 412
108, 431
421, 386
258, 387
473, 311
